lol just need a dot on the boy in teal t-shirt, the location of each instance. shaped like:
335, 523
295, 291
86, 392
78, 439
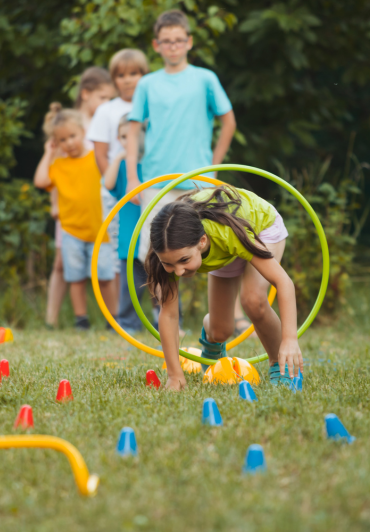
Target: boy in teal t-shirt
179, 102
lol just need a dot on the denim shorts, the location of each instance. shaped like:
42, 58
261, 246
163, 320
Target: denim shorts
77, 255
109, 202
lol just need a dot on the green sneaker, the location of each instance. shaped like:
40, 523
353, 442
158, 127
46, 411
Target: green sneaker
209, 350
276, 378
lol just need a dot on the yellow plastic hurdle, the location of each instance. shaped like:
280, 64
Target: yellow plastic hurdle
86, 483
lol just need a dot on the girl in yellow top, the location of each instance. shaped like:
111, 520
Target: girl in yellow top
77, 179
236, 237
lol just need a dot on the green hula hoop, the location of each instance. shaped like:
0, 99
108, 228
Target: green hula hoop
218, 168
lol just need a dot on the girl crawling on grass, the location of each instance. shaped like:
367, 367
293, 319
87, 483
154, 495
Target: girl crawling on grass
237, 238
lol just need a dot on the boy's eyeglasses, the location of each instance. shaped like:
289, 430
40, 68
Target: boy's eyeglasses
179, 43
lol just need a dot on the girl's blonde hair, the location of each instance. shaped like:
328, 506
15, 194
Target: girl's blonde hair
126, 57
54, 109
92, 79
57, 116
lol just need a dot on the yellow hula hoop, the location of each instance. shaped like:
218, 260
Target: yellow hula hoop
94, 267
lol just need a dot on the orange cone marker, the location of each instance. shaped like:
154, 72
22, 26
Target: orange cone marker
152, 379
6, 335
4, 368
64, 391
24, 418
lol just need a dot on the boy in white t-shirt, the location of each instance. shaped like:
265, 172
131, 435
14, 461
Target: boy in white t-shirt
126, 68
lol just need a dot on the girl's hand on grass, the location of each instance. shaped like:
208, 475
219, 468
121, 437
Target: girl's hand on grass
177, 383
290, 353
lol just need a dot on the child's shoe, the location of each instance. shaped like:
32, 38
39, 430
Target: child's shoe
209, 350
276, 378
82, 323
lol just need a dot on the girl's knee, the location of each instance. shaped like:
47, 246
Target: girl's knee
255, 305
221, 333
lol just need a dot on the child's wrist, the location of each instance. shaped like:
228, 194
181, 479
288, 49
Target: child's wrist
289, 338
178, 373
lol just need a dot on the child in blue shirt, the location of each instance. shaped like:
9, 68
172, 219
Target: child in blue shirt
180, 103
116, 182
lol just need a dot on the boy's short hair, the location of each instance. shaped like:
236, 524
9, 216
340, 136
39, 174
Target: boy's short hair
128, 56
174, 17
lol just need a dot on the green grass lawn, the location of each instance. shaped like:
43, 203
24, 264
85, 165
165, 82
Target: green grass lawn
188, 476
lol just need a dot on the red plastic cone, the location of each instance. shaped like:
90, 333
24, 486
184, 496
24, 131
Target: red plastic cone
24, 418
4, 368
64, 391
152, 379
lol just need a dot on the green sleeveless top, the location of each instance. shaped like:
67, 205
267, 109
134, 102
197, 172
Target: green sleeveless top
225, 245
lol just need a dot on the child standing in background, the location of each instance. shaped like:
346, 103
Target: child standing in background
77, 179
116, 182
57, 287
95, 87
126, 68
180, 102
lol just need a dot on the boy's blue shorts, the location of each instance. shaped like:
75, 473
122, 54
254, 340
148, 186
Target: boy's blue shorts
77, 255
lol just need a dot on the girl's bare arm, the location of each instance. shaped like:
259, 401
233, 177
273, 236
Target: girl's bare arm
225, 138
289, 351
168, 323
41, 178
111, 174
132, 158
101, 156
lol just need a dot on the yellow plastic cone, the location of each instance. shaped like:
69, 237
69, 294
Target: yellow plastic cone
189, 365
229, 370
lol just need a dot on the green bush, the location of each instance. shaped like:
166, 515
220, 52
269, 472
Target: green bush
336, 202
11, 129
337, 198
25, 246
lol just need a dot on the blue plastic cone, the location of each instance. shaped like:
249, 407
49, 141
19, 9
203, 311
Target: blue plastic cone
336, 430
296, 385
126, 445
211, 413
246, 391
254, 460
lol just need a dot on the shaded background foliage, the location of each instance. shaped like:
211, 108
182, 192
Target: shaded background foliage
296, 72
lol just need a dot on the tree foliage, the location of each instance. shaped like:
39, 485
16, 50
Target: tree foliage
98, 28
11, 130
31, 67
297, 74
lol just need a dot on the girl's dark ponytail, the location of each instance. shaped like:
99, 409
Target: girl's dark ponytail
218, 211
